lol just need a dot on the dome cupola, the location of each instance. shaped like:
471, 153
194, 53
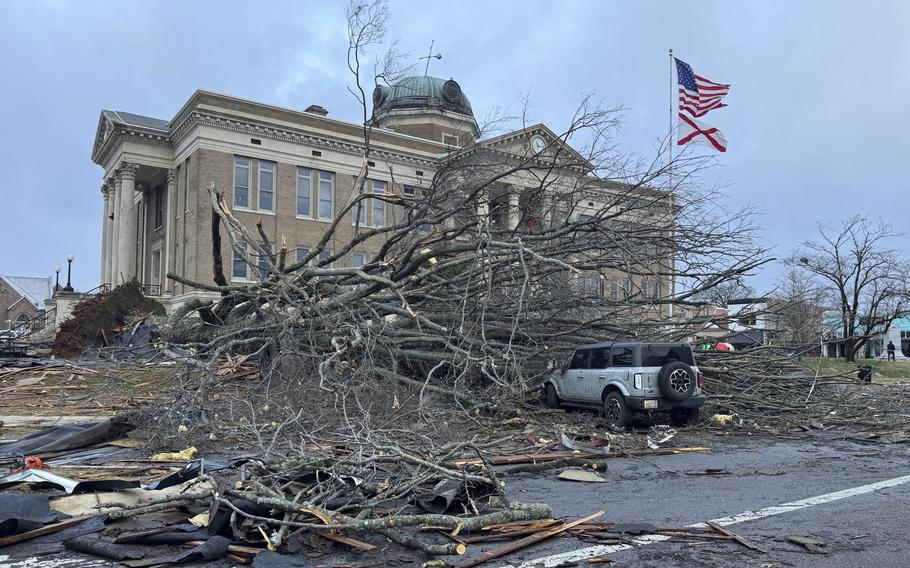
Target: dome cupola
427, 107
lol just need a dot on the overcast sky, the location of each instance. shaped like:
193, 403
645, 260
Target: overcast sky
816, 123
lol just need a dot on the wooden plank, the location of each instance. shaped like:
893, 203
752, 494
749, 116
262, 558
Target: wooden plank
352, 542
236, 548
734, 536
527, 541
502, 535
46, 529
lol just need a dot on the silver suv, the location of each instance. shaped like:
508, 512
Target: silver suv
623, 378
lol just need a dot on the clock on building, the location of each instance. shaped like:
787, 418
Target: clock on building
538, 144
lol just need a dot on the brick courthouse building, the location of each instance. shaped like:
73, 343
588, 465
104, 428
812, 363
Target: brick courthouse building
289, 169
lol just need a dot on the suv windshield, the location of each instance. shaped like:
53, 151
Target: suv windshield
660, 355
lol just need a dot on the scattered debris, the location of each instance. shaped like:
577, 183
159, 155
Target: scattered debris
183, 455
98, 319
709, 471
527, 541
583, 475
734, 536
655, 444
813, 545
69, 437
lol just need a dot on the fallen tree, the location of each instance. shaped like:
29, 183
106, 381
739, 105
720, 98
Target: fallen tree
465, 303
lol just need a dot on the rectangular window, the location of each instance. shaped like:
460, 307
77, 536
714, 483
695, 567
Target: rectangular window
263, 260
326, 195
324, 256
301, 253
239, 267
160, 199
360, 213
660, 355
600, 358
614, 289
409, 190
652, 289
589, 285
304, 192
623, 357
267, 186
156, 266
358, 259
379, 187
580, 359
241, 182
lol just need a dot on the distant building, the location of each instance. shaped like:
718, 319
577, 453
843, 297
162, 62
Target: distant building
22, 299
898, 333
753, 321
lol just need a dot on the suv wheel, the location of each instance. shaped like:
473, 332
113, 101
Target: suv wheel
550, 397
616, 413
683, 416
677, 381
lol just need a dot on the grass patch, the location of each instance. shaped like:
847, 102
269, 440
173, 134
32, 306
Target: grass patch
884, 371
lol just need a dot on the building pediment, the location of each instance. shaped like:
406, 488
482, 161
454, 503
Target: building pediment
115, 127
540, 141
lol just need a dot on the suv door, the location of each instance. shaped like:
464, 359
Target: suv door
622, 362
597, 375
573, 379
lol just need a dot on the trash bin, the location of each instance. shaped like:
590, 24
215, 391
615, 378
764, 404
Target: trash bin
864, 373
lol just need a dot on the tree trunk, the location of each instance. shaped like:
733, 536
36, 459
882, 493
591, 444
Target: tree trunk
850, 349
217, 264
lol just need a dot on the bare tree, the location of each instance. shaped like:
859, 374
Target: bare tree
723, 293
865, 280
799, 308
467, 296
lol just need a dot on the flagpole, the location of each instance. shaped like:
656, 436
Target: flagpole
670, 168
671, 116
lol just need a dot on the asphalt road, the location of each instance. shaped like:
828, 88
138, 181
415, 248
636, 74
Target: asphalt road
865, 527
868, 529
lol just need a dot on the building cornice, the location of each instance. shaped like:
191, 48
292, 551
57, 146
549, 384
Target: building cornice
294, 135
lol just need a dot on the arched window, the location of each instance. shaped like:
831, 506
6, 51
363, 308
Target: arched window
23, 318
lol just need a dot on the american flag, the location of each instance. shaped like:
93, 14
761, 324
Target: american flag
697, 95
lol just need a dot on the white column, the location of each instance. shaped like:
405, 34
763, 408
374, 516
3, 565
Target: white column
546, 205
483, 210
128, 238
514, 212
105, 237
114, 246
142, 210
170, 231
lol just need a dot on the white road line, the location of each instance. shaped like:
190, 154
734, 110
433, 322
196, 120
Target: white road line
600, 550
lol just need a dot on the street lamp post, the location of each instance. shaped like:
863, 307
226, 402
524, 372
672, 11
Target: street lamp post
69, 273
57, 285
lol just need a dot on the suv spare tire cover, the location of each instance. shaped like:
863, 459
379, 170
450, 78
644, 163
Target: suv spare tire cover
677, 381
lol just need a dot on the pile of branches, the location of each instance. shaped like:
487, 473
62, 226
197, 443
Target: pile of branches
389, 491
763, 386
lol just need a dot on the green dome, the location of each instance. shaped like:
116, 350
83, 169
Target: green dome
421, 93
